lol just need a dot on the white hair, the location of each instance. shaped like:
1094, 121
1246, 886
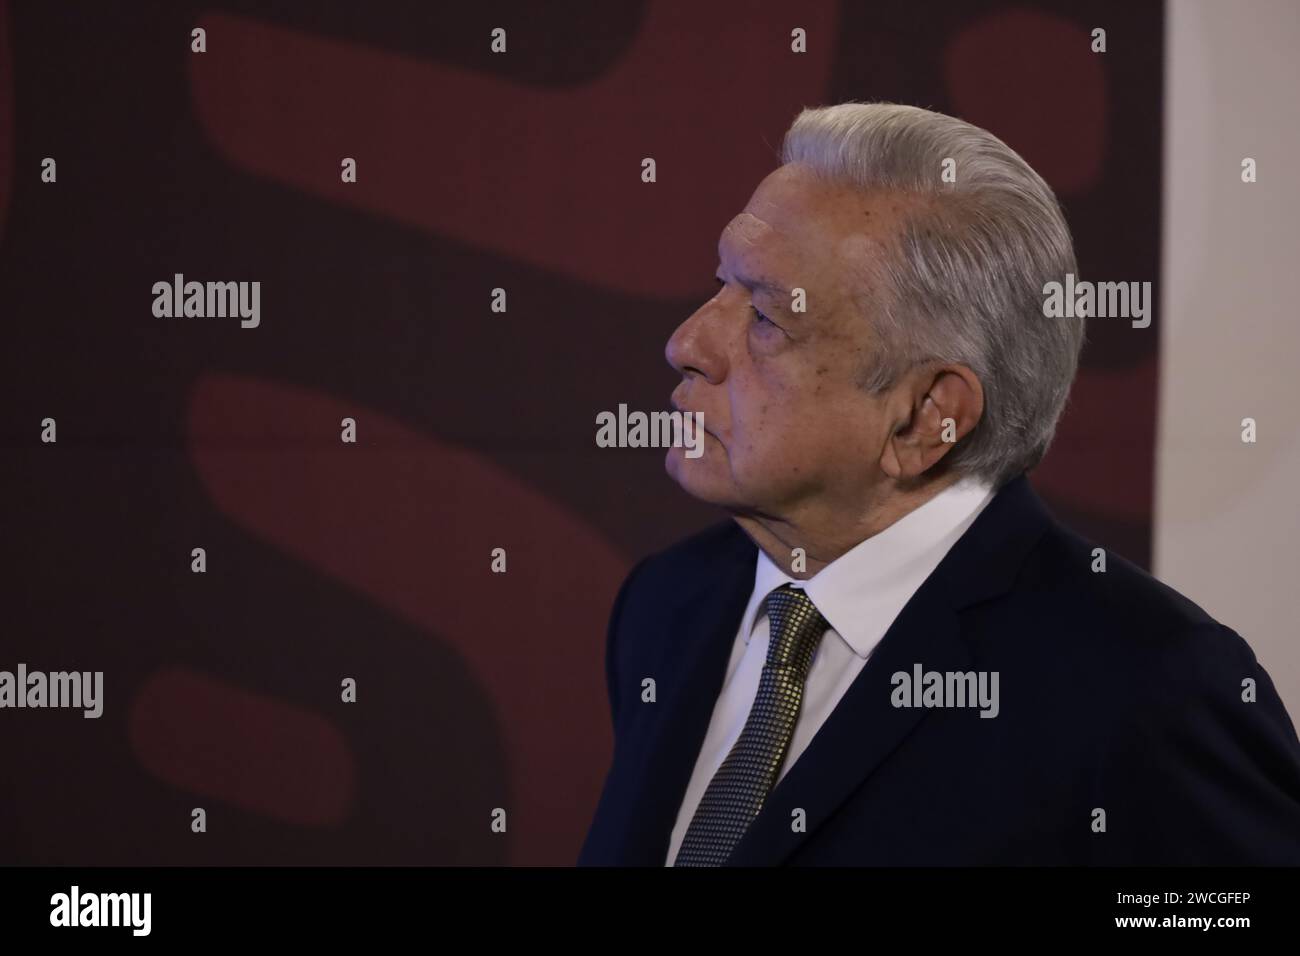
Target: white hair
965, 282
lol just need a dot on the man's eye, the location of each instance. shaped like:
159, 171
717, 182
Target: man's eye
761, 317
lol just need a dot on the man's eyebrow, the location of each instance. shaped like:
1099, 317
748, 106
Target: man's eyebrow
759, 284
762, 284
769, 286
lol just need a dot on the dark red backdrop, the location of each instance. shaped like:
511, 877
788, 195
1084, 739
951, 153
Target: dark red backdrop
371, 561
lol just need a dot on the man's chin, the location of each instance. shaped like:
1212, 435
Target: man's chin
701, 477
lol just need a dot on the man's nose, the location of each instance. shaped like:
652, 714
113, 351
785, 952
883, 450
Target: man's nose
694, 347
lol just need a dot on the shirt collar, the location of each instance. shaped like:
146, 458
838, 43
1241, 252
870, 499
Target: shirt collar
861, 592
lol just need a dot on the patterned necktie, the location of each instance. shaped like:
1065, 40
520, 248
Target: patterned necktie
737, 791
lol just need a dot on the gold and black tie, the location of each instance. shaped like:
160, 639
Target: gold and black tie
737, 791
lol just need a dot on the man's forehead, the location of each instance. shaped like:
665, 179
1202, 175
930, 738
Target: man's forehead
795, 211
747, 231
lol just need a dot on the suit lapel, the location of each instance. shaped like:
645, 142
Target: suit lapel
702, 633
865, 728
860, 733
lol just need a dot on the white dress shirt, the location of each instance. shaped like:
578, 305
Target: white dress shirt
859, 593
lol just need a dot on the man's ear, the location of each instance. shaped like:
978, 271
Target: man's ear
941, 405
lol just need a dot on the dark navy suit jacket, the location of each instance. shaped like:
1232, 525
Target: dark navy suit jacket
1116, 694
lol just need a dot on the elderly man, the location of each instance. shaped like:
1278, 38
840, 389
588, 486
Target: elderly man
891, 653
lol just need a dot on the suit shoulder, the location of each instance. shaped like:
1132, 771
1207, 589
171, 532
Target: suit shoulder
693, 556
1107, 590
1120, 631
667, 579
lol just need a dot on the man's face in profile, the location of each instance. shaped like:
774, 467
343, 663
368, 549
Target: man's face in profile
788, 421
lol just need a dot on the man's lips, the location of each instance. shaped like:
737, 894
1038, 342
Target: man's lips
688, 411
